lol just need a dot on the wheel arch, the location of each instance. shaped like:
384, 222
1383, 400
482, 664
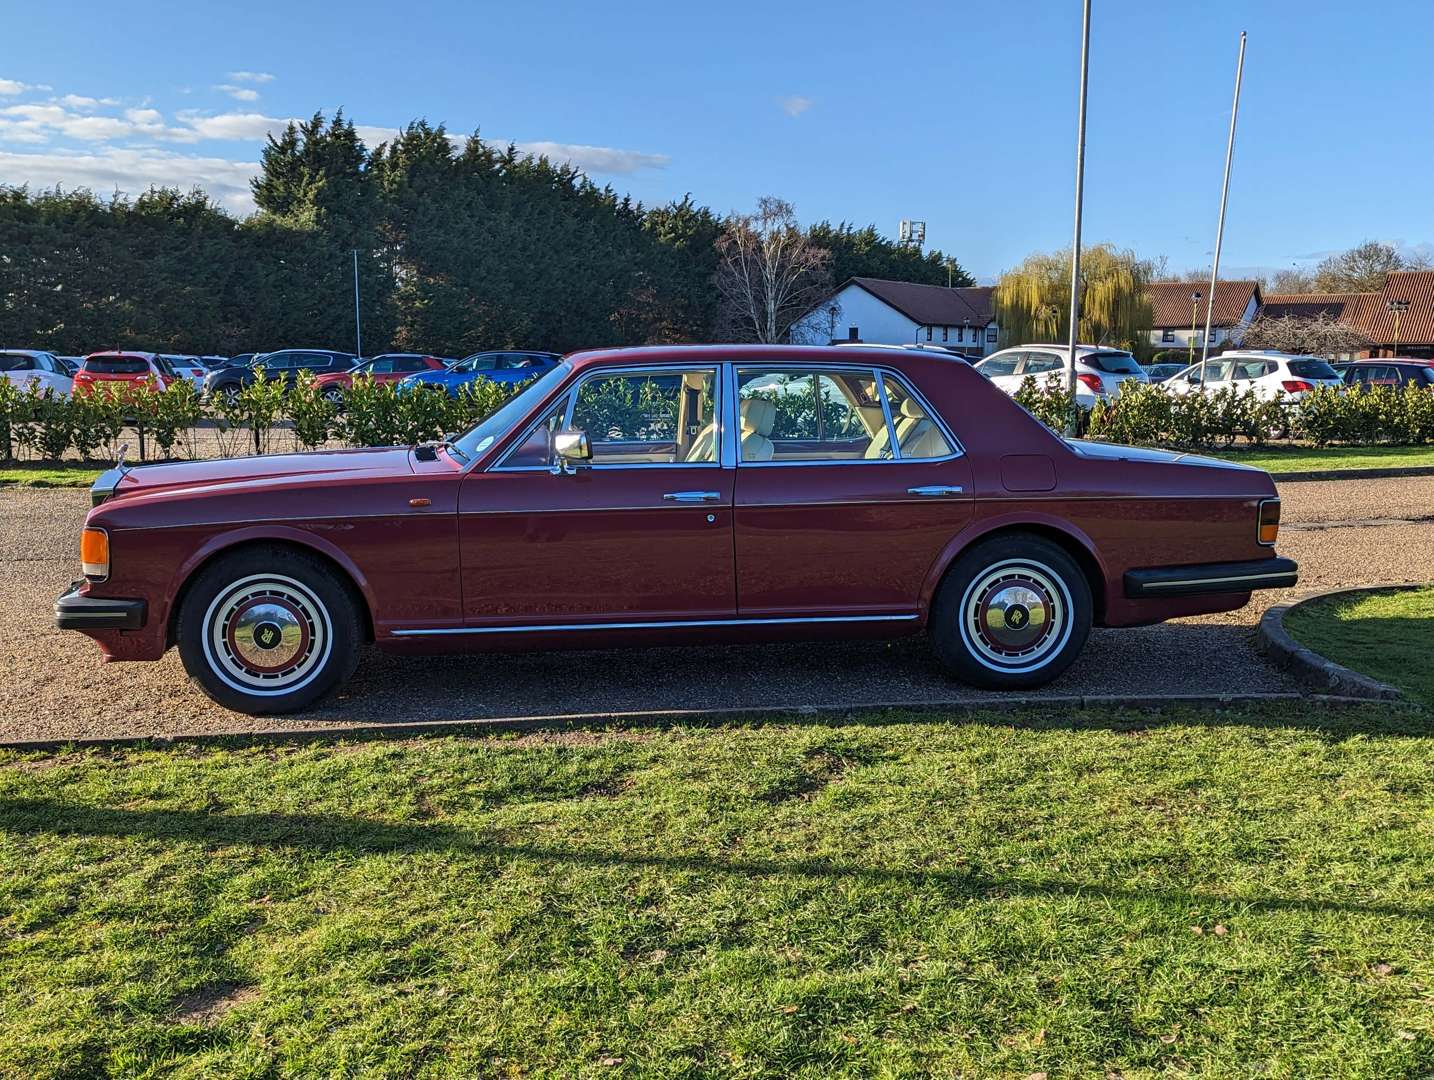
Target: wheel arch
292, 539
1071, 540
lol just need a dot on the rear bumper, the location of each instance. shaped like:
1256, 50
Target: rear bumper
1210, 578
76, 612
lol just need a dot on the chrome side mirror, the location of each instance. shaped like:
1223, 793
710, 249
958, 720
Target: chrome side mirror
571, 450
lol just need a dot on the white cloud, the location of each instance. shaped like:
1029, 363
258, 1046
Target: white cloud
134, 171
597, 159
11, 87
795, 105
372, 134
237, 126
79, 101
238, 93
251, 76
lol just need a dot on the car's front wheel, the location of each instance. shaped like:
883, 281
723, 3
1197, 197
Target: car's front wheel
1012, 613
269, 630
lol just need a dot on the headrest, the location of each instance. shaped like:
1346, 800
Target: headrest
912, 410
695, 380
758, 416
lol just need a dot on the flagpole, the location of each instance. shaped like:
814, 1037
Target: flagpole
1074, 335
1224, 198
358, 325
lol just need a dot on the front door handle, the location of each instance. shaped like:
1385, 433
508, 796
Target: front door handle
692, 496
935, 491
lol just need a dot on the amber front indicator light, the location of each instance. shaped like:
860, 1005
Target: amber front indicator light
1269, 521
95, 554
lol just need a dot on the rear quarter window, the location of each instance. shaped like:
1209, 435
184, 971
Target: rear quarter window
16, 362
117, 365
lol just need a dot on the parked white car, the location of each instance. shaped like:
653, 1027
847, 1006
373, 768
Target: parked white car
1274, 376
1099, 372
24, 366
187, 367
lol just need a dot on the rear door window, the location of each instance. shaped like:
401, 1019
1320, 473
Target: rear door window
1040, 363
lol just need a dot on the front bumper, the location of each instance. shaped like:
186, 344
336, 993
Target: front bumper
1210, 578
76, 612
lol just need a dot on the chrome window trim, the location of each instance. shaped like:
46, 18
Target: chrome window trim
655, 624
571, 394
957, 449
891, 439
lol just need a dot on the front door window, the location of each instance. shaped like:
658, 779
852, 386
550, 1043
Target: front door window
635, 418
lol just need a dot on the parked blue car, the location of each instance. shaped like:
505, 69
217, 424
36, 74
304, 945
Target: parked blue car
498, 366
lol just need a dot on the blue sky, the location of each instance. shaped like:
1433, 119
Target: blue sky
955, 112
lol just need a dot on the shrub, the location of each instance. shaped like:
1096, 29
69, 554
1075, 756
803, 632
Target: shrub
371, 414
258, 407
311, 413
1051, 403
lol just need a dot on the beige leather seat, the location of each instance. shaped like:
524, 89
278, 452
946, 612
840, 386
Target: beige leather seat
917, 433
759, 416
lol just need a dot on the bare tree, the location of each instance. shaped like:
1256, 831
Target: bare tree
1360, 269
1292, 280
769, 275
1316, 335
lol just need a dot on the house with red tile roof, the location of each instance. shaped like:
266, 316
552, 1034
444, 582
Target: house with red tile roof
1176, 311
1398, 319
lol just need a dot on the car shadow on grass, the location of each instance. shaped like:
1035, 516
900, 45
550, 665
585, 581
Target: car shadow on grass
329, 833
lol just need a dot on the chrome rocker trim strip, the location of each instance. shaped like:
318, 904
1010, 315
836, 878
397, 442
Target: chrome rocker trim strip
675, 624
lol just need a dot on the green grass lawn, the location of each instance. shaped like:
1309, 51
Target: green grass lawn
1237, 893
49, 474
1310, 459
1388, 636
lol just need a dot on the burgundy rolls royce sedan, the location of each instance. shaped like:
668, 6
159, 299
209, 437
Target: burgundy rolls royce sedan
674, 495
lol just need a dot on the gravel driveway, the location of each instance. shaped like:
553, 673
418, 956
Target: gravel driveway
52, 684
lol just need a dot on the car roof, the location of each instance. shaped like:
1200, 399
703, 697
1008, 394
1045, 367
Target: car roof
1066, 348
26, 352
846, 355
122, 353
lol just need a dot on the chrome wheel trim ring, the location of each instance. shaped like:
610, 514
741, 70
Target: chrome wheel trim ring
1040, 605
244, 611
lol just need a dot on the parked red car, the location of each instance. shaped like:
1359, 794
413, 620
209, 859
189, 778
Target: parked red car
675, 495
388, 368
133, 368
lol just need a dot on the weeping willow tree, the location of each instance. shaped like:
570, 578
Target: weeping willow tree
1033, 301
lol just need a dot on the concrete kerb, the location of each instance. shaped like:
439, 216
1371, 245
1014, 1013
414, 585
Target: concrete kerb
1310, 668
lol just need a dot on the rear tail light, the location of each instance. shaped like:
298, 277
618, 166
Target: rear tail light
95, 554
1091, 382
1269, 522
1296, 386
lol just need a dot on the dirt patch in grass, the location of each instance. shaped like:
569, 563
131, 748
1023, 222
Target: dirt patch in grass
208, 1005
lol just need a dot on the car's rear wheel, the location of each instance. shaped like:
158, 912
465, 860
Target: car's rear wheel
1011, 613
269, 630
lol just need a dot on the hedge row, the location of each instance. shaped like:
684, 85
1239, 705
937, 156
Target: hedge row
165, 421
1148, 415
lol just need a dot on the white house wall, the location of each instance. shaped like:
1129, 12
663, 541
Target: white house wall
878, 323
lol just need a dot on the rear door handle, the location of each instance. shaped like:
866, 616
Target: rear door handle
692, 496
935, 491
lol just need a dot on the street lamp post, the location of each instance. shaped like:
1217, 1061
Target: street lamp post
1194, 314
1397, 306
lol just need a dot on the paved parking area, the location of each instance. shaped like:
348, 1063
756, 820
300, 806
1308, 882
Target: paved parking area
52, 684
